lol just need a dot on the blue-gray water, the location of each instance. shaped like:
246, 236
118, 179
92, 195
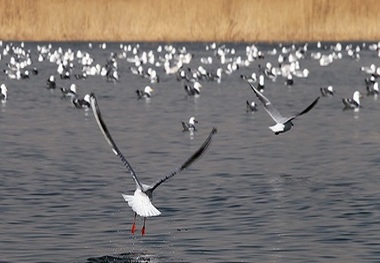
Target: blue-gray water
309, 195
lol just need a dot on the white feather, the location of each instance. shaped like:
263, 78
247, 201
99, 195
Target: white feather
141, 204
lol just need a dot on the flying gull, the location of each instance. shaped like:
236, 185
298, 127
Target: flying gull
283, 124
140, 202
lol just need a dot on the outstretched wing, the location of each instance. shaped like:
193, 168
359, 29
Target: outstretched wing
272, 111
107, 136
305, 110
198, 154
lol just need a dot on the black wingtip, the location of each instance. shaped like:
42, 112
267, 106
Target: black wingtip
310, 106
316, 100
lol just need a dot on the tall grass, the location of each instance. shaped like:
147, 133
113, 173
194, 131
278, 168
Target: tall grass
184, 20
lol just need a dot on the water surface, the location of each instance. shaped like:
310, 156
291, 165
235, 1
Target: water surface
309, 195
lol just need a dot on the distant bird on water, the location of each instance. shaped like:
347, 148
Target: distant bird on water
4, 94
82, 103
190, 126
373, 90
50, 83
251, 106
289, 80
327, 91
283, 124
70, 92
141, 200
354, 103
146, 94
194, 90
261, 85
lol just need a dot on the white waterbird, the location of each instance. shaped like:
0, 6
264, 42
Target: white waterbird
283, 124
141, 201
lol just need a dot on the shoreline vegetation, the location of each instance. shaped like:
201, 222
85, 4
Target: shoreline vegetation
190, 21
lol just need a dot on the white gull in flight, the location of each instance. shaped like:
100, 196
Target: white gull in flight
140, 201
283, 124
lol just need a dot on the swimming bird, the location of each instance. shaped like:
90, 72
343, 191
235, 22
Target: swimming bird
289, 80
50, 83
261, 83
25, 74
283, 124
3, 95
35, 71
251, 107
146, 94
151, 74
112, 75
70, 92
82, 103
327, 91
326, 59
141, 201
190, 126
81, 76
193, 90
354, 103
373, 90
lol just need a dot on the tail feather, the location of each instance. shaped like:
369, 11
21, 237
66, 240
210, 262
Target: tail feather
141, 206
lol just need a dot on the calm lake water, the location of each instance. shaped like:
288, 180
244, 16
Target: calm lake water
308, 195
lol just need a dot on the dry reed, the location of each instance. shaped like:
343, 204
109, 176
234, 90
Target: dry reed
197, 20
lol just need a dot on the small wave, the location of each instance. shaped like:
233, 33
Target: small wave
128, 257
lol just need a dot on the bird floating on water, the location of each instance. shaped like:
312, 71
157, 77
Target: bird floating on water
261, 83
82, 103
194, 90
70, 92
327, 91
50, 83
251, 106
373, 90
190, 126
352, 103
3, 95
283, 124
146, 94
141, 200
289, 80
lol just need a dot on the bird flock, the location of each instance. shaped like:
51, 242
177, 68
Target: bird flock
192, 73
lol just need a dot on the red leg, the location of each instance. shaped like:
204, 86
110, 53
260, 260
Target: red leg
134, 225
143, 228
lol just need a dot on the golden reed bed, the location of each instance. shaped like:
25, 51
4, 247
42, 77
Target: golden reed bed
190, 20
